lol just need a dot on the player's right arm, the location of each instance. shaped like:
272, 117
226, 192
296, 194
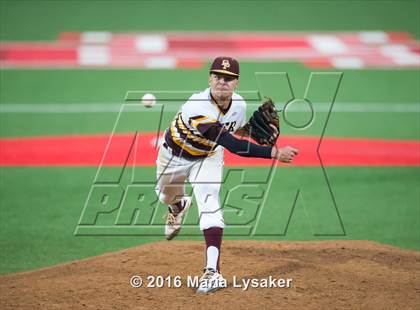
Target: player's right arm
216, 133
204, 122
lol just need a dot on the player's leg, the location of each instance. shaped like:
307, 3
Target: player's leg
170, 188
206, 178
171, 176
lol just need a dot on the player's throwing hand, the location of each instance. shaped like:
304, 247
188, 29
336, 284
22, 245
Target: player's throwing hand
284, 154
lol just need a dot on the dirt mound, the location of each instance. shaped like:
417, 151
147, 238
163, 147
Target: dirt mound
325, 275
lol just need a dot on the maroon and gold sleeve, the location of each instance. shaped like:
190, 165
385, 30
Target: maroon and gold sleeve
211, 131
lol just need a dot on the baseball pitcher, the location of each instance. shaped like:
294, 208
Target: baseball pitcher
192, 149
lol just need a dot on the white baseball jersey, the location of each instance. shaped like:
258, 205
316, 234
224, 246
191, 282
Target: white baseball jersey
198, 123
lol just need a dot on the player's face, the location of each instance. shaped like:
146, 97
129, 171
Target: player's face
222, 85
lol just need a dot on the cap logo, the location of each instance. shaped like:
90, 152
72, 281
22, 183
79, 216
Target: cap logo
225, 64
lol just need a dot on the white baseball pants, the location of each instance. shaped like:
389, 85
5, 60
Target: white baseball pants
205, 176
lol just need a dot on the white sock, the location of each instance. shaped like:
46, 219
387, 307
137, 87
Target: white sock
212, 257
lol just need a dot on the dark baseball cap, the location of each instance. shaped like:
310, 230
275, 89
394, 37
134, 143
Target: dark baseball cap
225, 65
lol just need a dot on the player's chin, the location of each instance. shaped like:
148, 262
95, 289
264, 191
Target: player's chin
224, 94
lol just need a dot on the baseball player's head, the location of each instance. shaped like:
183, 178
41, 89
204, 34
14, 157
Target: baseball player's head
224, 77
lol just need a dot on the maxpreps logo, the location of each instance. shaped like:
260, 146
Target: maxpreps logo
122, 198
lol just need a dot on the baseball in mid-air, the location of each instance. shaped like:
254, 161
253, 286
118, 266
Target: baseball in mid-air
148, 100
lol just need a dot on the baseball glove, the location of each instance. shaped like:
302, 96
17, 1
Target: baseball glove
259, 127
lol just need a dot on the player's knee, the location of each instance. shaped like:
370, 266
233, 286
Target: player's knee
209, 197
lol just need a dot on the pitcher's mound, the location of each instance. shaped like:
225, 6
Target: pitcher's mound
325, 275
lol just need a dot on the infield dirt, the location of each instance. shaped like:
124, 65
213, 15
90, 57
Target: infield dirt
326, 275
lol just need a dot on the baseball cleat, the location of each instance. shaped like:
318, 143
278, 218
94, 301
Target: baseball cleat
174, 221
211, 281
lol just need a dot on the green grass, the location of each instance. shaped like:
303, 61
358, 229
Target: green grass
368, 125
40, 207
110, 86
32, 86
20, 19
43, 205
